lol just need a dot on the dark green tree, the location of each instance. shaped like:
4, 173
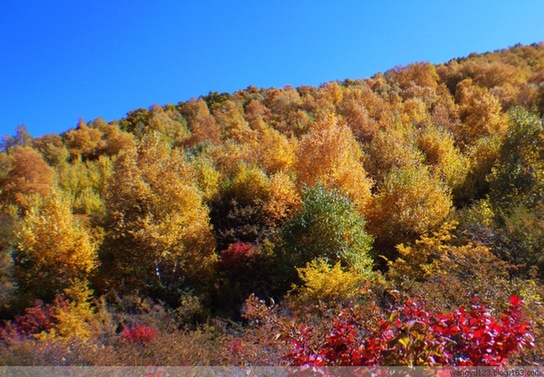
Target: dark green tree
518, 175
328, 227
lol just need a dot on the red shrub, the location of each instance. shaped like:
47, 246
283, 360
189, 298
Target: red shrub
140, 334
36, 319
413, 336
238, 256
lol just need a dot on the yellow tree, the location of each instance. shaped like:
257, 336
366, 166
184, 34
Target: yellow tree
84, 140
28, 174
273, 150
52, 148
443, 157
392, 147
159, 239
168, 122
284, 199
202, 124
284, 104
230, 118
329, 155
52, 248
85, 182
358, 107
480, 112
409, 203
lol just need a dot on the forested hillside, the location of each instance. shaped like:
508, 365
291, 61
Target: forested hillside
222, 229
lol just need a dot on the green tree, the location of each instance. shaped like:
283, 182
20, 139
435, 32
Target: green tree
518, 174
510, 218
7, 279
327, 227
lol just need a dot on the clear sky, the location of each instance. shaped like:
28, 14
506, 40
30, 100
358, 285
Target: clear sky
65, 59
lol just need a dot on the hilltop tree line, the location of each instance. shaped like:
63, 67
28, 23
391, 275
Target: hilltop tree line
183, 220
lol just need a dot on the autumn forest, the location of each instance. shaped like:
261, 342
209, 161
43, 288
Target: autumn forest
287, 226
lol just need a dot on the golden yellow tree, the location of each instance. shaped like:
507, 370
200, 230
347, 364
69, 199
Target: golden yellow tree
273, 150
52, 148
329, 155
52, 248
443, 157
84, 140
410, 203
358, 107
28, 174
480, 112
230, 118
158, 235
202, 124
392, 148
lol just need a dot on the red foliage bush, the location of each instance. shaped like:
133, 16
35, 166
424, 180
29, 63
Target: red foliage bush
140, 334
36, 319
413, 336
238, 256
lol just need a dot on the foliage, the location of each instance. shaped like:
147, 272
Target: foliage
518, 175
329, 155
73, 312
202, 124
328, 227
69, 315
444, 158
7, 278
140, 334
192, 207
158, 235
410, 203
29, 174
52, 148
480, 113
414, 337
237, 214
392, 148
52, 249
321, 282
85, 183
420, 261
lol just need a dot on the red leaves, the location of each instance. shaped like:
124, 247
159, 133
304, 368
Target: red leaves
36, 319
515, 301
238, 256
140, 334
413, 336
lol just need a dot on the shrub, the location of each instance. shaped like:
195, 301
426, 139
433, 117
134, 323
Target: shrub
328, 227
326, 283
415, 337
140, 334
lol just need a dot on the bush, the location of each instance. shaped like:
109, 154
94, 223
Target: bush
412, 336
328, 227
140, 334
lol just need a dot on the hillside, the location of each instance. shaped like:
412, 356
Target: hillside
426, 181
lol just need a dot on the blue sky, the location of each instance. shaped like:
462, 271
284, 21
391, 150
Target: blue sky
65, 59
